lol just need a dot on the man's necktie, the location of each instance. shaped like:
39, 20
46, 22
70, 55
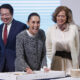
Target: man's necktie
5, 34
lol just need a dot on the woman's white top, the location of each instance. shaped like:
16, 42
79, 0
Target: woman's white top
67, 40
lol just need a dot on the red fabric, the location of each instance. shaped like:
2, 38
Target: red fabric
5, 35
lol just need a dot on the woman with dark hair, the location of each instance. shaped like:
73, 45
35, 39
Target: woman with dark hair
30, 47
62, 41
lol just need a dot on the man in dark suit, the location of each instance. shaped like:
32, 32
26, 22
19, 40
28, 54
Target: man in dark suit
8, 31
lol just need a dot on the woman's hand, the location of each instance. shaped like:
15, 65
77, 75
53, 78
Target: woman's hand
46, 69
29, 71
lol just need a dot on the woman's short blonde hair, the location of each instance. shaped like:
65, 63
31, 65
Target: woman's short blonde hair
67, 11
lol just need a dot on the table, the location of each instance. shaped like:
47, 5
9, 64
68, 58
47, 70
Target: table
38, 75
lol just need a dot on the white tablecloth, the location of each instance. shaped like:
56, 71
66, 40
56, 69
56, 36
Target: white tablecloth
56, 75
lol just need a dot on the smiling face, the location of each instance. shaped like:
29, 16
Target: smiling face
34, 24
6, 16
61, 18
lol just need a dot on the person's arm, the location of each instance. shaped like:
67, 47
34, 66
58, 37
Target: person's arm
77, 40
50, 46
20, 62
75, 49
44, 60
77, 44
43, 53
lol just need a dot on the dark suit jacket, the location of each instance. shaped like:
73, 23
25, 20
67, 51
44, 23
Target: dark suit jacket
8, 51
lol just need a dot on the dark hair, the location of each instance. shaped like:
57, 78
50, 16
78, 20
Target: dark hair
68, 13
33, 14
7, 6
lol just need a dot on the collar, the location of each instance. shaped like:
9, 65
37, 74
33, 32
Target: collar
30, 34
66, 29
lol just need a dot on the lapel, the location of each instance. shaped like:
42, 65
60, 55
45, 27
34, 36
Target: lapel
1, 29
11, 32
